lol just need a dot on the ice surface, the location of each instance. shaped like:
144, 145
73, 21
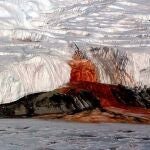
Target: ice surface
28, 134
48, 27
121, 67
40, 73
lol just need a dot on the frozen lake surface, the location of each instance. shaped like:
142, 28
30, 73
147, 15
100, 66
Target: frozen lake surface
30, 134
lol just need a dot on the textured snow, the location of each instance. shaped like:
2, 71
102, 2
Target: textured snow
28, 134
121, 23
42, 32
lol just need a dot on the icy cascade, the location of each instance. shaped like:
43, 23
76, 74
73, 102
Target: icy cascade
119, 67
40, 73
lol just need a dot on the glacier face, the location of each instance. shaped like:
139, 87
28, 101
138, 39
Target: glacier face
40, 73
120, 67
36, 39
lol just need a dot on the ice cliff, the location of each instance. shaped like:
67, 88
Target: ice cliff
40, 73
120, 67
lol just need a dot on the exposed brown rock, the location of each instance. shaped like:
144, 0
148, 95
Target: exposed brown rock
112, 109
96, 116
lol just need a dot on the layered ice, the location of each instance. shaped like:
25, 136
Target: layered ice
35, 33
40, 73
120, 67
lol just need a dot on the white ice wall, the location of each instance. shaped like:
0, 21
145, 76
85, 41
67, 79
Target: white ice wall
40, 73
121, 67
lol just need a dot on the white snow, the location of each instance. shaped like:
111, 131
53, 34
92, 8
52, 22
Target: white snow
40, 32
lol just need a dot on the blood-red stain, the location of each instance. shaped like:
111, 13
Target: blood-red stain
84, 77
83, 70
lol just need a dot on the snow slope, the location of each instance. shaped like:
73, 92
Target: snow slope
39, 34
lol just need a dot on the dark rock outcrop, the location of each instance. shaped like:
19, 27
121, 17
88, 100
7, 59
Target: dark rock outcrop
84, 101
50, 103
138, 97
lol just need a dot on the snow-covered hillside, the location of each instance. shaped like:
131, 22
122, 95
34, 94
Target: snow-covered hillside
37, 38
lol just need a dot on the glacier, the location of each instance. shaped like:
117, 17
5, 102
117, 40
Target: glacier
37, 42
